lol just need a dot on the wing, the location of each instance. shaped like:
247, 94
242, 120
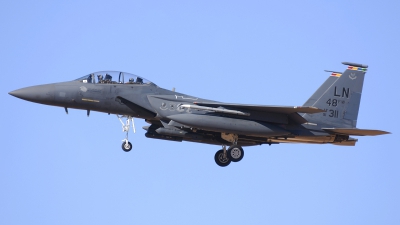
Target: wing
267, 113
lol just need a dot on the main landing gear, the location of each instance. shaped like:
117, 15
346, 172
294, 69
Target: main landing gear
234, 153
126, 145
224, 157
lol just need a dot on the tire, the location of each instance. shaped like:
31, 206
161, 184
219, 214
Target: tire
220, 159
235, 153
126, 147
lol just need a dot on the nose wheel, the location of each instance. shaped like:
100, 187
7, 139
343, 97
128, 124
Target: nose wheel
126, 145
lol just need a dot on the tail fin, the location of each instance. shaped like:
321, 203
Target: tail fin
340, 96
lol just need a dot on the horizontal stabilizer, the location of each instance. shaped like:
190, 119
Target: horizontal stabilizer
355, 131
264, 108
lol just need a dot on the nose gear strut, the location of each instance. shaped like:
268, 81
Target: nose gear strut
126, 145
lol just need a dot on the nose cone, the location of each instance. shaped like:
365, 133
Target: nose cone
40, 94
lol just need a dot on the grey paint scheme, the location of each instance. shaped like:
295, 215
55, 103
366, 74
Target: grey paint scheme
328, 116
346, 90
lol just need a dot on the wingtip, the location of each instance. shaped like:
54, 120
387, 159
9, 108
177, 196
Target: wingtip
355, 64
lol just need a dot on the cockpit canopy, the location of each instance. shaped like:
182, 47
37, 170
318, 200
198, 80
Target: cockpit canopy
113, 77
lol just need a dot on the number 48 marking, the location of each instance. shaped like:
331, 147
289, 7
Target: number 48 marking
332, 102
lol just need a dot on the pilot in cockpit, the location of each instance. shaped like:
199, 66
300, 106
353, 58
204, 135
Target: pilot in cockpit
100, 78
89, 79
108, 78
131, 80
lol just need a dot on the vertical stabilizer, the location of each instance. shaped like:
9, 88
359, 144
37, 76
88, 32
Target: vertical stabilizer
340, 96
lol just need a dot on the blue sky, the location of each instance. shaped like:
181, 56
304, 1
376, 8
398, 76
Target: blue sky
70, 169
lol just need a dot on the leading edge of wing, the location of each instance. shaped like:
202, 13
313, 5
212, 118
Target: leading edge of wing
355, 131
264, 108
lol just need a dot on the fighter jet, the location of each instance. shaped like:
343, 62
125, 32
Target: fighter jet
329, 116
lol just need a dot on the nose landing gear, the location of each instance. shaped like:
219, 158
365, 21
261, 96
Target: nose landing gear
126, 145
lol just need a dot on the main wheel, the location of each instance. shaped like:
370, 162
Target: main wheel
221, 159
126, 146
235, 153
